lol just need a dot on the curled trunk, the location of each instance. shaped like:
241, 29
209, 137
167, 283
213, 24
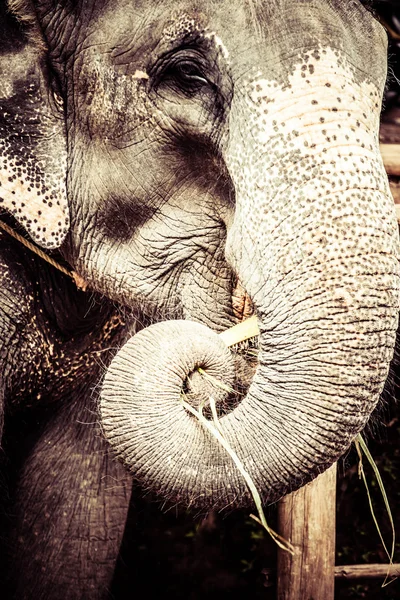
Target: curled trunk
285, 430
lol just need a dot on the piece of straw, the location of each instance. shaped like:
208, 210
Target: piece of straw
216, 432
241, 332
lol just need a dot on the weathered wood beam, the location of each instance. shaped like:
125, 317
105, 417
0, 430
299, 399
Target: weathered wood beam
307, 519
391, 158
372, 571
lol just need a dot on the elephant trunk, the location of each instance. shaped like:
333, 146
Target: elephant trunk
144, 419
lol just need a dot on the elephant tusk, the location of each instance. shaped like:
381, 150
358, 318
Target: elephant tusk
241, 332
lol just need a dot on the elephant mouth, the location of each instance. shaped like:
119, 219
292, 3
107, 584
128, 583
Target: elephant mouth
242, 305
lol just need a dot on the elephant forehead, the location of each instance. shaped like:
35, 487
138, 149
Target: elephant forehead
322, 105
255, 30
186, 25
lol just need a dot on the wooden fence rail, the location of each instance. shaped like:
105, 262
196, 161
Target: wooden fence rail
372, 571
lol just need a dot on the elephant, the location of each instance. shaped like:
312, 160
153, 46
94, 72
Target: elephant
194, 165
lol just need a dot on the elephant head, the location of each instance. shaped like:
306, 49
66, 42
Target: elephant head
199, 149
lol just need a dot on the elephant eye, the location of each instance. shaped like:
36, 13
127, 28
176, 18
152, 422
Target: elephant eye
184, 74
54, 91
189, 73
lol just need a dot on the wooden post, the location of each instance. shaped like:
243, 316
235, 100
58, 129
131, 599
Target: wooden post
307, 518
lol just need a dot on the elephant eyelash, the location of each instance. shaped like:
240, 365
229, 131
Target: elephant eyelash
185, 81
187, 73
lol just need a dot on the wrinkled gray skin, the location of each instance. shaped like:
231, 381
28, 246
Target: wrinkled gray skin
171, 151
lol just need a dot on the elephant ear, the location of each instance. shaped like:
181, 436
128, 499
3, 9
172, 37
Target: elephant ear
32, 138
